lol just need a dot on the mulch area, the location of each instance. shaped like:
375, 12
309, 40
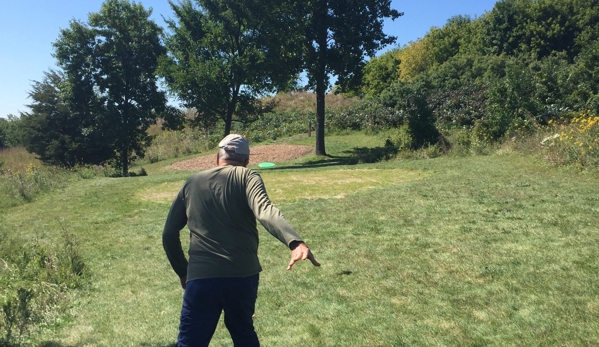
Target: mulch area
258, 154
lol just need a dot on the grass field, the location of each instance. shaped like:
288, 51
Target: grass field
498, 250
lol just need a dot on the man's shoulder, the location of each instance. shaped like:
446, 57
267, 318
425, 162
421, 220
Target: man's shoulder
240, 171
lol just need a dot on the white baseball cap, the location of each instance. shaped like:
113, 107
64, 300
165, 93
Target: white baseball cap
236, 143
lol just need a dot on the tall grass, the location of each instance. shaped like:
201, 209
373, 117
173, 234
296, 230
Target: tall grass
177, 143
23, 177
16, 159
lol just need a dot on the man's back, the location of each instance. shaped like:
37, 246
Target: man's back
220, 207
224, 238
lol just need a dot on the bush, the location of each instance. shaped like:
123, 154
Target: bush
370, 114
397, 107
173, 144
20, 187
275, 125
460, 107
575, 142
413, 107
35, 286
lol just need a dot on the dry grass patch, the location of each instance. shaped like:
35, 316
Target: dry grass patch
296, 185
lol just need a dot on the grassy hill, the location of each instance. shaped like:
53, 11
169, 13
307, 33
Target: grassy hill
490, 250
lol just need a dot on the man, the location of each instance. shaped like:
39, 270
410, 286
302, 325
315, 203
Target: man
220, 207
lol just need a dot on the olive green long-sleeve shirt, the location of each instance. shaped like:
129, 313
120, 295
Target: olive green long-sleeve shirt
220, 207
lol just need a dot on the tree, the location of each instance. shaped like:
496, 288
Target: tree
223, 54
337, 37
55, 133
11, 131
380, 73
110, 65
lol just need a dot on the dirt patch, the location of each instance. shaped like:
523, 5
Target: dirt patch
258, 154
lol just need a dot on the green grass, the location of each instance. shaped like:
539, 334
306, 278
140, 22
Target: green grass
498, 250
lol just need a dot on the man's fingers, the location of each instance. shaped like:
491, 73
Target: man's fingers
291, 264
302, 256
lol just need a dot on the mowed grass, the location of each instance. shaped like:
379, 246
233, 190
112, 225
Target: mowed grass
497, 250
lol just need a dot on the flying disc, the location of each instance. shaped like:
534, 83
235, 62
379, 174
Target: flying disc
266, 165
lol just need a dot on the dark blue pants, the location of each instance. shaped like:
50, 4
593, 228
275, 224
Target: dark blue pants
203, 302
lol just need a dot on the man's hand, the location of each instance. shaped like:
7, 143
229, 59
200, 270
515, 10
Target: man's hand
299, 251
183, 281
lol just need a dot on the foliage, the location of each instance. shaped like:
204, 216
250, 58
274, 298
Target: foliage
36, 285
585, 76
18, 187
511, 100
110, 66
461, 35
222, 54
399, 106
575, 142
275, 125
413, 106
380, 73
2, 135
55, 133
23, 177
11, 132
415, 58
460, 107
173, 144
522, 63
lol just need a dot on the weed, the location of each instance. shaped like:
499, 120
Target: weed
36, 285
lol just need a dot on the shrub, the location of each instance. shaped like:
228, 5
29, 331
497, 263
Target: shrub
459, 107
173, 144
400, 138
20, 187
511, 99
35, 285
398, 106
577, 141
413, 106
274, 125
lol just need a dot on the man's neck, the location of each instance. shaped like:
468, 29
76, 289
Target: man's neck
229, 163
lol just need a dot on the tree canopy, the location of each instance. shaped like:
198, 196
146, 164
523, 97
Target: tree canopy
110, 67
55, 133
224, 54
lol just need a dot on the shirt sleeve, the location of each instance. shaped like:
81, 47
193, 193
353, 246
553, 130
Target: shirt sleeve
175, 221
266, 213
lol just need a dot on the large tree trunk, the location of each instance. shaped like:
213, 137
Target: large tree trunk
125, 161
230, 110
320, 12
127, 133
320, 96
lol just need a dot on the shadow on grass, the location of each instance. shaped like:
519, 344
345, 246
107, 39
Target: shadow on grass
356, 155
53, 344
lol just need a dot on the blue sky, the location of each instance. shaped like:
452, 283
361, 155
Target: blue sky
28, 28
